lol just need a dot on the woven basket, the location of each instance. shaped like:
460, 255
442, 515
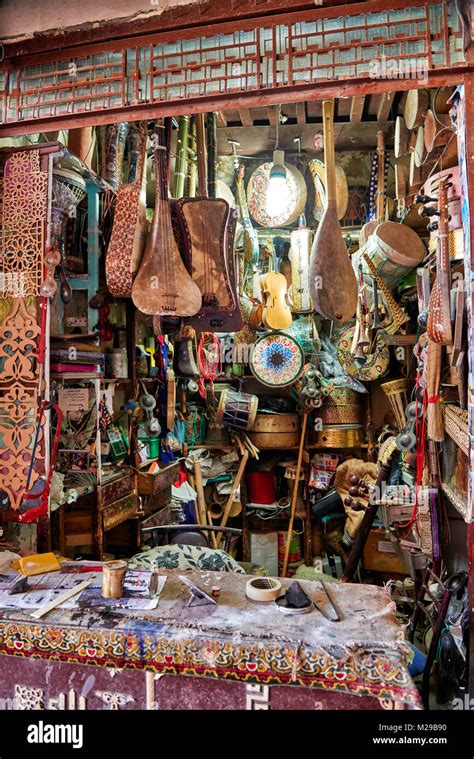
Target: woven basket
397, 394
456, 426
337, 437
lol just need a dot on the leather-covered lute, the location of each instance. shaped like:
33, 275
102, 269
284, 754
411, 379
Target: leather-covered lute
332, 281
163, 286
128, 237
439, 312
207, 236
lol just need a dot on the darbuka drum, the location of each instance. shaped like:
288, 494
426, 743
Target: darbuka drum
277, 359
395, 250
237, 410
317, 189
295, 199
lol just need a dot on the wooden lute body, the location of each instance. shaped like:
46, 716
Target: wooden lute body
439, 312
207, 236
332, 281
163, 286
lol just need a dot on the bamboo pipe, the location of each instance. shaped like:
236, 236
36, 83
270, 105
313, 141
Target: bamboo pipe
295, 493
201, 155
232, 493
179, 177
380, 200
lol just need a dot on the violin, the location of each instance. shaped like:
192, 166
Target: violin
276, 309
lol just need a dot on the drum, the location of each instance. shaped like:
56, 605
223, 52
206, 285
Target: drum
296, 194
273, 430
237, 410
395, 249
342, 406
317, 189
277, 359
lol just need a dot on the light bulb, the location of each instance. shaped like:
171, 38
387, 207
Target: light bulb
277, 196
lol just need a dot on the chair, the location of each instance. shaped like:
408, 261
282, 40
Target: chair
191, 534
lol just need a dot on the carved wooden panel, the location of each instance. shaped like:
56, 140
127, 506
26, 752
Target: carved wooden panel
24, 212
19, 334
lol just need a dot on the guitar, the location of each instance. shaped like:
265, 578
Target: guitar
128, 237
163, 286
439, 311
207, 233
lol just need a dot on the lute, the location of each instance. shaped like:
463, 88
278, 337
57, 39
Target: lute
163, 286
251, 246
439, 311
207, 235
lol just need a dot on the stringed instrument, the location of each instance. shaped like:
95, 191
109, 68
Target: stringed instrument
332, 280
163, 286
439, 313
129, 229
207, 236
276, 310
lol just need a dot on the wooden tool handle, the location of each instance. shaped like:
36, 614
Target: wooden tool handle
329, 159
201, 501
380, 200
232, 493
295, 493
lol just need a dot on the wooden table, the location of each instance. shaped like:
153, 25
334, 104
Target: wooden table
240, 654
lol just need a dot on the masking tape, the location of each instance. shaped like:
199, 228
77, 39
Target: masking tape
262, 589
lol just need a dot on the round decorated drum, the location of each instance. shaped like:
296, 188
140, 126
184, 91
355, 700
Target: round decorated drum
317, 189
375, 365
277, 359
257, 196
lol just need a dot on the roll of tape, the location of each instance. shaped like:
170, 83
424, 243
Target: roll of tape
262, 589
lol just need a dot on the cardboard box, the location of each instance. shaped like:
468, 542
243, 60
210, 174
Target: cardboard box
380, 553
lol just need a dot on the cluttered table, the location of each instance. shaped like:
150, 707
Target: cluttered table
234, 639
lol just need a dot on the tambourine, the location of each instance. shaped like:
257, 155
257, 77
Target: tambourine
317, 189
277, 359
257, 188
375, 364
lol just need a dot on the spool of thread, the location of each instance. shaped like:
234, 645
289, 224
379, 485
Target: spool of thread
261, 487
295, 548
113, 574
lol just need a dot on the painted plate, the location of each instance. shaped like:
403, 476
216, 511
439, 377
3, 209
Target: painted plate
375, 365
277, 359
257, 196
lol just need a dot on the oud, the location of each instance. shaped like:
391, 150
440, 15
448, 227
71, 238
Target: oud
163, 286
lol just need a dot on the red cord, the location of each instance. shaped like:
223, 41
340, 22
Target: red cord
209, 362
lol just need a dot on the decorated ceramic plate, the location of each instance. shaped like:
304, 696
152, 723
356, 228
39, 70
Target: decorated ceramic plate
277, 359
374, 366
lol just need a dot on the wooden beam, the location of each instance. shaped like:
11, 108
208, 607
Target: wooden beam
221, 119
357, 107
301, 113
272, 113
246, 117
384, 105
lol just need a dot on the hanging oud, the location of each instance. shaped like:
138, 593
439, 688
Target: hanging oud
439, 311
332, 281
208, 248
128, 237
163, 286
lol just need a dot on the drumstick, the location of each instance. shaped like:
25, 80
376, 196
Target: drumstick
232, 493
295, 493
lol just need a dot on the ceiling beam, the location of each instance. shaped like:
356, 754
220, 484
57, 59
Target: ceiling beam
301, 113
357, 107
246, 117
272, 113
221, 119
384, 105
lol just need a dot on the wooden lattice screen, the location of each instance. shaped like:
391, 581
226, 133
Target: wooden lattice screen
293, 50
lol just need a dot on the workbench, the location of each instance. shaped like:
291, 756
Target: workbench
239, 654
